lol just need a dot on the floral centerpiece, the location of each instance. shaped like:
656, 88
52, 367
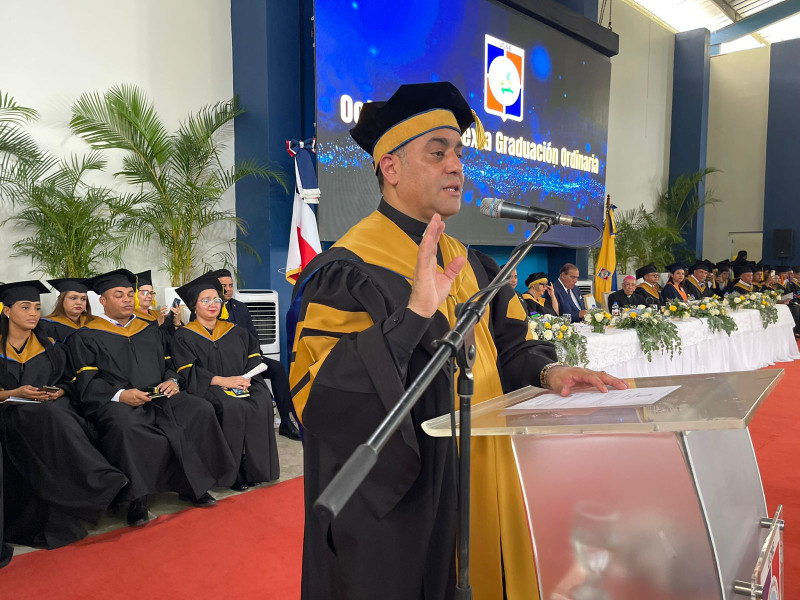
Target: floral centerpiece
598, 319
763, 303
677, 309
654, 331
716, 315
570, 345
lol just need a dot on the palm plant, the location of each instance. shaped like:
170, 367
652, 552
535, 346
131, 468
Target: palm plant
17, 147
178, 177
74, 225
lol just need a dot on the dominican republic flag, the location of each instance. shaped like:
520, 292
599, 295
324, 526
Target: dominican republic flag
503, 79
303, 237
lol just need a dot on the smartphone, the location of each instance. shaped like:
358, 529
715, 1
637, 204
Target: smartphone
49, 388
176, 302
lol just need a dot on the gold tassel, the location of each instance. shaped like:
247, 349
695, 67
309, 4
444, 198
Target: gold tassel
480, 132
224, 312
136, 304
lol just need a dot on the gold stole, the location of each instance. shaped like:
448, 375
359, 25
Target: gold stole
32, 348
652, 290
498, 513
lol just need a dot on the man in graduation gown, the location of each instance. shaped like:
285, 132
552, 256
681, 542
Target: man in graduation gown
163, 439
648, 291
368, 313
56, 480
210, 357
744, 279
237, 312
626, 296
722, 284
695, 284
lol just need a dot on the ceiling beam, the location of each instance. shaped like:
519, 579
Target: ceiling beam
729, 11
753, 23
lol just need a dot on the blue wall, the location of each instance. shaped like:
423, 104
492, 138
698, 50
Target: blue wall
781, 197
688, 141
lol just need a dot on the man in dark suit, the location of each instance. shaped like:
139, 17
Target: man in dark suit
570, 300
237, 312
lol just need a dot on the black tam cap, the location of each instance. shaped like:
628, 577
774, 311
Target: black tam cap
700, 264
119, 278
190, 291
723, 265
69, 284
21, 291
413, 110
538, 277
739, 270
678, 266
783, 269
144, 278
645, 270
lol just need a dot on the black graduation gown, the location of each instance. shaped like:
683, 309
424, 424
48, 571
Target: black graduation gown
168, 444
356, 348
622, 299
670, 292
696, 289
56, 478
742, 288
532, 306
648, 295
6, 551
246, 420
60, 328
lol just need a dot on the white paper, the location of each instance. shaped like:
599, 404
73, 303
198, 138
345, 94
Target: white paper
595, 399
18, 400
260, 368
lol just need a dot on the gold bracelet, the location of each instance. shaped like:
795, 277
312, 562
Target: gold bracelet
546, 370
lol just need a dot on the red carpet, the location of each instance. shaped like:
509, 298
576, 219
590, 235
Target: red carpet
248, 546
776, 437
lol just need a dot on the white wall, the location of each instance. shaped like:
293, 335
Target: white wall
737, 142
178, 51
640, 109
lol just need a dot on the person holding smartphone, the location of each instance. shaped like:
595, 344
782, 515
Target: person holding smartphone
57, 479
144, 300
210, 356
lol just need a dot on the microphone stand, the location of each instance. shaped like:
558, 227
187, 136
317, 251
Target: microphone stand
460, 341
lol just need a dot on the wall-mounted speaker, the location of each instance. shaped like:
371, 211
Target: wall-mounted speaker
782, 243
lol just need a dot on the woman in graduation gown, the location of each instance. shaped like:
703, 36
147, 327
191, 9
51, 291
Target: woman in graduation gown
72, 309
674, 288
55, 478
144, 299
211, 356
534, 299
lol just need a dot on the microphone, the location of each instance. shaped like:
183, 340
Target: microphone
500, 209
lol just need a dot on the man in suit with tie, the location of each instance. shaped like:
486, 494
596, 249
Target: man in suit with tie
569, 299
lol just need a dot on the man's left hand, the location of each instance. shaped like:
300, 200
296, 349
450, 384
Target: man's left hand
169, 388
562, 379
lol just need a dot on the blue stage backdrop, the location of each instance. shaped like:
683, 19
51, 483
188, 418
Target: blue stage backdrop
541, 95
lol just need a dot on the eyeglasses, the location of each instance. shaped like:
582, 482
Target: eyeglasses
207, 301
147, 293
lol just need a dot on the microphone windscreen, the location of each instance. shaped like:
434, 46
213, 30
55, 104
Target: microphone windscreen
491, 207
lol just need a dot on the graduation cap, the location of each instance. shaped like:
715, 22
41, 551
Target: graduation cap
413, 110
646, 270
538, 277
739, 270
677, 266
22, 291
783, 269
144, 278
69, 284
723, 265
100, 284
190, 291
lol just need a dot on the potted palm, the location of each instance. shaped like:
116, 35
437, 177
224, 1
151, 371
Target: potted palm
177, 178
17, 147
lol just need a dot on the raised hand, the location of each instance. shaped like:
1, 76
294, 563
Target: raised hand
430, 288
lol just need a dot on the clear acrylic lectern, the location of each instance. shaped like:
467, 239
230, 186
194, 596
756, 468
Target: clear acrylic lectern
656, 502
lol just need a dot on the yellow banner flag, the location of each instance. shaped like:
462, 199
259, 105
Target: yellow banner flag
605, 279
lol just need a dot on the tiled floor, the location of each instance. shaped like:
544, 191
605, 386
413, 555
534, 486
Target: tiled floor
291, 462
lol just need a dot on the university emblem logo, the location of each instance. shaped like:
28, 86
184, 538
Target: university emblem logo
604, 274
504, 79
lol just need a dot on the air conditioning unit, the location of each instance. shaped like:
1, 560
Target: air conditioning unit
263, 307
585, 286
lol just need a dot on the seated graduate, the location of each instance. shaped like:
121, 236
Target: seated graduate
721, 283
72, 309
55, 478
211, 356
534, 300
237, 312
143, 305
744, 278
674, 287
696, 283
760, 274
626, 296
649, 292
163, 439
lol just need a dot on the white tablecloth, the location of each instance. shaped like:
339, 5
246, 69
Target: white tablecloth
617, 351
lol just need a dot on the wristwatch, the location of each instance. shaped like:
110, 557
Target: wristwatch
546, 370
